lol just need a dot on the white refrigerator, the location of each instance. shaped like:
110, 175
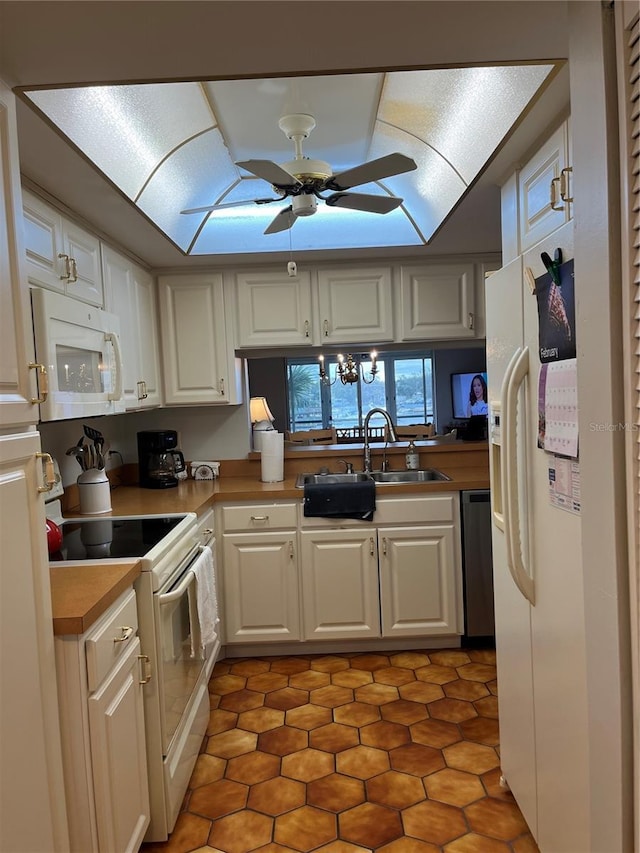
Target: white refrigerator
539, 612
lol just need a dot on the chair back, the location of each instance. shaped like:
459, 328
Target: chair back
313, 436
416, 431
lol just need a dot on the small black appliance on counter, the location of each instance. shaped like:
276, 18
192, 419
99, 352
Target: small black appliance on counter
158, 459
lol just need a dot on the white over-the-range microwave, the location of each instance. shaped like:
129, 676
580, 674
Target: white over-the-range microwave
79, 348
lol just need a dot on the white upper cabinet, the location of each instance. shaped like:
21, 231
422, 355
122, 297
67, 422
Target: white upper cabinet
545, 190
18, 392
61, 255
273, 309
355, 305
197, 356
437, 301
130, 294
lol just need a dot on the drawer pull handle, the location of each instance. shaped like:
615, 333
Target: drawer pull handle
146, 663
553, 197
43, 381
126, 634
67, 266
49, 472
259, 518
208, 531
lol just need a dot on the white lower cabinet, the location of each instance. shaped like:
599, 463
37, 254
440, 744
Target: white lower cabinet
418, 591
339, 576
103, 736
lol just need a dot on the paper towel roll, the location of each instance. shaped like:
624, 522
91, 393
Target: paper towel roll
272, 457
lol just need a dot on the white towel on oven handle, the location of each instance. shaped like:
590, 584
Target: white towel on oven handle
206, 599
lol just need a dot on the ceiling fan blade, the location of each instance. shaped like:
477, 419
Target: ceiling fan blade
230, 204
269, 172
364, 201
376, 170
284, 220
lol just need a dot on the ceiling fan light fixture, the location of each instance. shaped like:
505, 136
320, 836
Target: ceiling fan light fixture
304, 205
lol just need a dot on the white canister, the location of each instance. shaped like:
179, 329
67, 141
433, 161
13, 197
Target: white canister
95, 492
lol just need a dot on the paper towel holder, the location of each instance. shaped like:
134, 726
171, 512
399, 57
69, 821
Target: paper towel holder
261, 418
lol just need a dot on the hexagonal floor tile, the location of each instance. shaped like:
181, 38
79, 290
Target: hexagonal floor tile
288, 697
496, 818
468, 690
330, 663
335, 792
190, 832
363, 762
310, 679
352, 677
308, 717
231, 743
376, 694
253, 767
409, 845
276, 796
356, 714
404, 711
219, 798
411, 660
242, 700
370, 825
477, 672
449, 657
342, 847
472, 757
331, 696
334, 737
481, 730
473, 843
454, 787
416, 759
452, 710
384, 735
421, 691
394, 675
265, 682
289, 666
396, 790
241, 832
282, 741
221, 721
487, 707
260, 719
308, 764
434, 822
436, 674
483, 655
208, 768
436, 733
370, 662
224, 684
305, 828
249, 667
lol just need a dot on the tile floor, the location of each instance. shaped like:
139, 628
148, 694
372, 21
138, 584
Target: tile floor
397, 753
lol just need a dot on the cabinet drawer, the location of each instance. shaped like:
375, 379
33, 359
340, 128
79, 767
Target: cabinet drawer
258, 516
412, 510
111, 639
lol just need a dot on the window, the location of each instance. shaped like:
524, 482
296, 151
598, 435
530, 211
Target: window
403, 386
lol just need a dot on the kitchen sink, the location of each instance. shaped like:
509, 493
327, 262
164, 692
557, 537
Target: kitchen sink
425, 476
303, 480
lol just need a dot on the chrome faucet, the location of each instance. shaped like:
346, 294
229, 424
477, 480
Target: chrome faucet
392, 434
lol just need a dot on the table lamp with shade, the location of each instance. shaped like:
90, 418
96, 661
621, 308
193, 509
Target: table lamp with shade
261, 418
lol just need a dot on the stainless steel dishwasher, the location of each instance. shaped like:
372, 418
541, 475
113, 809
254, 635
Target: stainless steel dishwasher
477, 563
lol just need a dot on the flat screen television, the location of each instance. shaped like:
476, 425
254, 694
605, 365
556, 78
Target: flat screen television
462, 386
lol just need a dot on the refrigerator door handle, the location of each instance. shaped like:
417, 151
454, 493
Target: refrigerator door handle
516, 374
501, 516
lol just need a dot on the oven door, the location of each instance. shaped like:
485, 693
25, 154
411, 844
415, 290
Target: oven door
181, 657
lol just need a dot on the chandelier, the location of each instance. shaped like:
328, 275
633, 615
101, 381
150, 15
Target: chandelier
349, 370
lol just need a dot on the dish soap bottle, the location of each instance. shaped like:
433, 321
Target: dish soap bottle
412, 457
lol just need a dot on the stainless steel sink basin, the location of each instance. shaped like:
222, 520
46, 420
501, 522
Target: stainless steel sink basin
424, 476
303, 480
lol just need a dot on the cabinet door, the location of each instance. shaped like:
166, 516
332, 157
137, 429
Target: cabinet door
194, 355
32, 810
83, 251
437, 302
418, 580
116, 723
540, 182
120, 300
273, 310
355, 305
260, 587
149, 391
17, 387
339, 573
43, 244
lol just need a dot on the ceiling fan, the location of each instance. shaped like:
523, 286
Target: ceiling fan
303, 180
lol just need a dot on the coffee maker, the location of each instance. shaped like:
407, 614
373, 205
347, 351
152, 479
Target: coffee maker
158, 459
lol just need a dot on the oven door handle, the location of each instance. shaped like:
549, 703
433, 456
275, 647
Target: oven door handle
179, 591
